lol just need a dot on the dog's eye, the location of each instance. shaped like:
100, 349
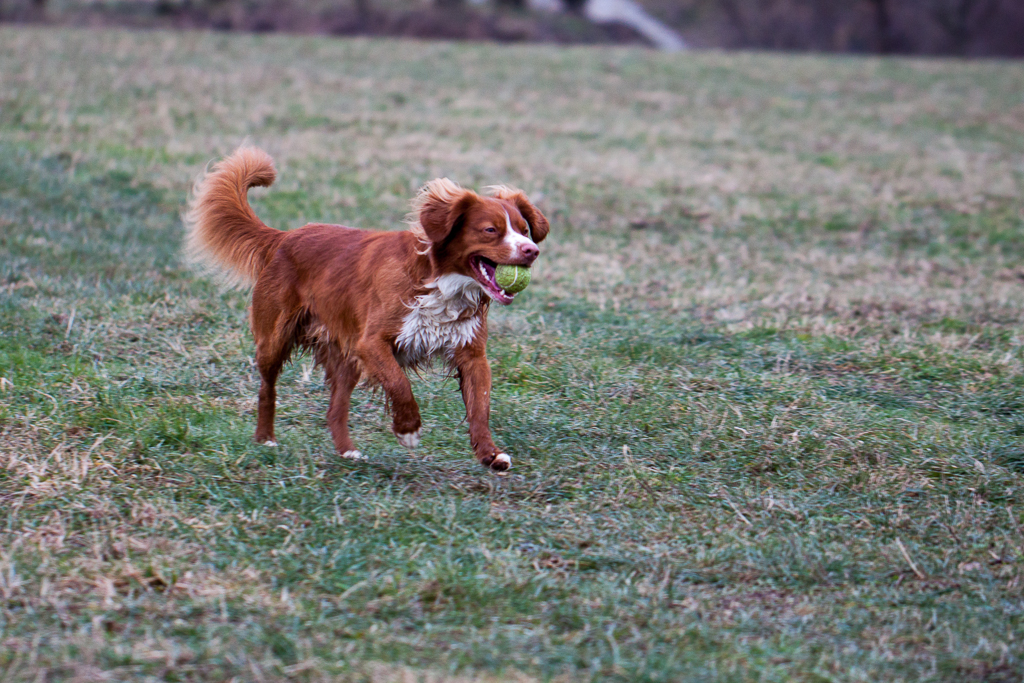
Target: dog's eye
490, 230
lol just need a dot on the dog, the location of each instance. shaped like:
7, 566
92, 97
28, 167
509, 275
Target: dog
368, 304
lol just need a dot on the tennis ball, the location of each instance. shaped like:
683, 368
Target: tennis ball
512, 279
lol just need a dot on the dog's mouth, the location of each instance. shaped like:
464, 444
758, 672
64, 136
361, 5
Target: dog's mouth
483, 270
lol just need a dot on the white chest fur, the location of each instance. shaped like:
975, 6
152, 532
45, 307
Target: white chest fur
440, 321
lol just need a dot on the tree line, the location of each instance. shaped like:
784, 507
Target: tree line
925, 27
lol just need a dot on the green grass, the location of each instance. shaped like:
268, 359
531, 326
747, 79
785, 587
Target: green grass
764, 396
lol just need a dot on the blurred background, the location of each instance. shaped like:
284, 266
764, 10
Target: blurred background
978, 28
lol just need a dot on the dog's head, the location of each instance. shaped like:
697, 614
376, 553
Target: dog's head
471, 234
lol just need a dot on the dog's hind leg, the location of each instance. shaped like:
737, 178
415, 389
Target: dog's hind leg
274, 315
271, 355
275, 336
342, 376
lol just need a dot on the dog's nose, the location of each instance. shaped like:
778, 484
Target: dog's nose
529, 252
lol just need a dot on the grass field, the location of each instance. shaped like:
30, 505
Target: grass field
765, 396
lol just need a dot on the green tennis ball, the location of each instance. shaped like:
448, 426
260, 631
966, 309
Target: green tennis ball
512, 279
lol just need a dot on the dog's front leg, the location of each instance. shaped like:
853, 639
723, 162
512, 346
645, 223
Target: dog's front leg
475, 382
380, 365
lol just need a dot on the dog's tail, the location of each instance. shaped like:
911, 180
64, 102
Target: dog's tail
222, 233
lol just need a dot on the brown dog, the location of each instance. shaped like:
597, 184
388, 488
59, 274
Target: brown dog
366, 303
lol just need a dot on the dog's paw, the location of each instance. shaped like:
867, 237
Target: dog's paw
410, 440
499, 462
270, 443
353, 455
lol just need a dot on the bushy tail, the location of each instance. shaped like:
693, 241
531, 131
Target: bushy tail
223, 235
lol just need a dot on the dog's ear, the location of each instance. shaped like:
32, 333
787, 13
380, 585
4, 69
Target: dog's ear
441, 207
539, 226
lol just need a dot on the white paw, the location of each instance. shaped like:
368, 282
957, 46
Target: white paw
410, 440
271, 443
502, 458
353, 455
